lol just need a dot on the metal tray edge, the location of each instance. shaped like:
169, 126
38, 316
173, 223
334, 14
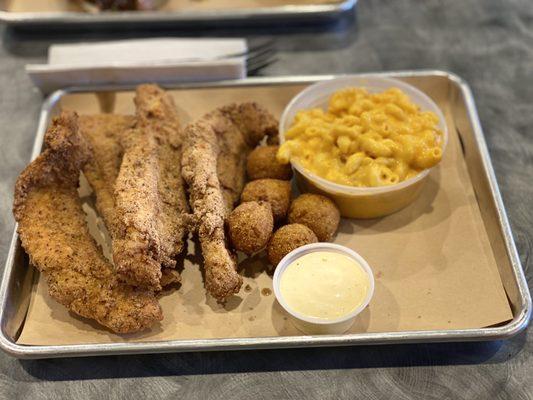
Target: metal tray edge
510, 244
517, 324
264, 13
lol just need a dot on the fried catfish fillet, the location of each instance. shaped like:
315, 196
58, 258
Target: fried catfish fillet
213, 166
103, 133
54, 233
249, 125
149, 193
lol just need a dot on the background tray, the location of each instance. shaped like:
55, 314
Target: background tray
16, 286
59, 13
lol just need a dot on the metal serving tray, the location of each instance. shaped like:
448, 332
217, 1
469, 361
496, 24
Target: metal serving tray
17, 281
241, 16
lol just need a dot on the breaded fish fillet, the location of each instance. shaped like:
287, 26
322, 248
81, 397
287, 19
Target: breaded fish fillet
54, 233
213, 166
103, 133
149, 194
250, 124
157, 112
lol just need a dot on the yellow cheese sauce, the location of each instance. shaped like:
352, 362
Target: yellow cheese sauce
364, 139
324, 284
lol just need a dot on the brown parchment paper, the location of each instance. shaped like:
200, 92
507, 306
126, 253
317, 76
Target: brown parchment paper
432, 261
171, 5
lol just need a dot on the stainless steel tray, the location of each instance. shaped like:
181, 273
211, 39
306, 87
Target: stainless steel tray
18, 277
266, 15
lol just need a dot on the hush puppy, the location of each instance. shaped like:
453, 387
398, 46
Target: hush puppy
318, 213
250, 226
286, 239
275, 192
262, 163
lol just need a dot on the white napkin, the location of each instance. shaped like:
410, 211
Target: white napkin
138, 61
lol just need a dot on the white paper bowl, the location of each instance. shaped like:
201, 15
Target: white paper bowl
357, 202
311, 325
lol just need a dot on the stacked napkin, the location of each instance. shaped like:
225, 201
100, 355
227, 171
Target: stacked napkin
138, 61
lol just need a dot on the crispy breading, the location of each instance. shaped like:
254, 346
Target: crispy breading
156, 111
249, 126
103, 132
214, 172
52, 228
136, 246
263, 164
169, 277
319, 213
230, 166
250, 226
149, 193
286, 239
275, 192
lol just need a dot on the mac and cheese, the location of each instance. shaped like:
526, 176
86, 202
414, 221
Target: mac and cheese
364, 139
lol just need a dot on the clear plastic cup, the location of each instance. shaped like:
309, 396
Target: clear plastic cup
311, 325
357, 202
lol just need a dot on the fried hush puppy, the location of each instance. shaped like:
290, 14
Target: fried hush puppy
318, 213
250, 226
262, 163
286, 239
275, 192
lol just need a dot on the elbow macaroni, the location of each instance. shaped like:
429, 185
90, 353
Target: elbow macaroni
364, 139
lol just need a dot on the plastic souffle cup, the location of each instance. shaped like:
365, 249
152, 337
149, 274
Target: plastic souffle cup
313, 325
359, 202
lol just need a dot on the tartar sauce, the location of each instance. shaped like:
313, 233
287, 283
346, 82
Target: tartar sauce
324, 284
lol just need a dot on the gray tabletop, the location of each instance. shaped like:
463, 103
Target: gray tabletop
488, 43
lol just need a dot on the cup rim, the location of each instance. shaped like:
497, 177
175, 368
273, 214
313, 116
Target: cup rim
93, 8
331, 186
311, 248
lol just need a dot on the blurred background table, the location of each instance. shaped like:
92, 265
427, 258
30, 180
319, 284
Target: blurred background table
487, 42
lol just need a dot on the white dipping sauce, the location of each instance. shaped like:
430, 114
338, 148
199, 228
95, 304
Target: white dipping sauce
324, 284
